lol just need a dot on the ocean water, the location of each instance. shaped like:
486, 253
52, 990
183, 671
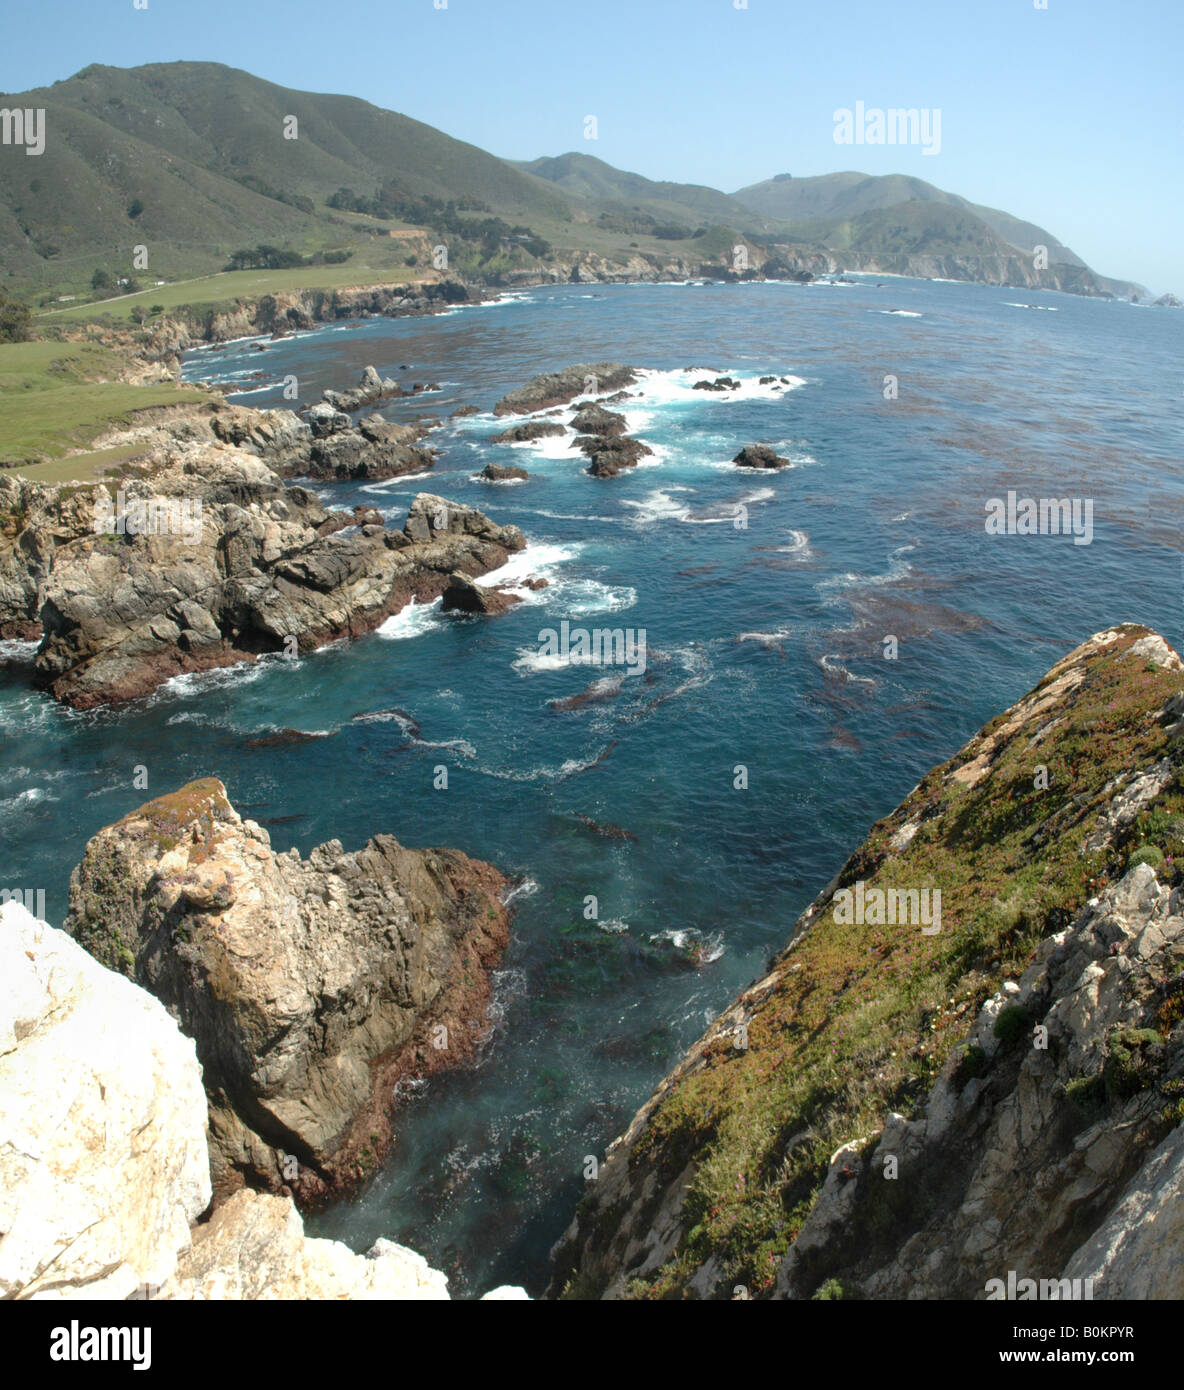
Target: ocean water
768, 729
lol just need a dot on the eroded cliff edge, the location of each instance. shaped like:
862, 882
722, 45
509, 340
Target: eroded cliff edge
897, 1112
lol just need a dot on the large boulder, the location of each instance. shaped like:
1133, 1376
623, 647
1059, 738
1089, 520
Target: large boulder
759, 456
103, 1163
279, 437
464, 596
325, 419
311, 986
499, 473
375, 450
594, 419
607, 456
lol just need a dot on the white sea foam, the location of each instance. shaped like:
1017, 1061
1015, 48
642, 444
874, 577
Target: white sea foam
194, 683
771, 640
704, 950
539, 560
412, 621
661, 388
659, 505
393, 484
16, 650
526, 889
899, 313
832, 666
29, 797
799, 545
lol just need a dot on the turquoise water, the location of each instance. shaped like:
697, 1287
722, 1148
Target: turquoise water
764, 649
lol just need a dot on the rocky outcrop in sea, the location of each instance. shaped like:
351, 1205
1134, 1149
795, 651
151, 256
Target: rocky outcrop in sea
311, 986
209, 562
558, 388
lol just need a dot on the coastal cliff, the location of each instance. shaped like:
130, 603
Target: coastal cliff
968, 1064
104, 1171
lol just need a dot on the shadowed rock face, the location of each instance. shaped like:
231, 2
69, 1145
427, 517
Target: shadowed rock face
499, 473
463, 596
310, 986
594, 419
894, 1114
258, 567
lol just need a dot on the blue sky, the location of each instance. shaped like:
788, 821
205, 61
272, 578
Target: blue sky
1068, 116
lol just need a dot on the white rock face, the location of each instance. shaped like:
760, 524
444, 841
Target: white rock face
103, 1157
1135, 1253
254, 1247
104, 1163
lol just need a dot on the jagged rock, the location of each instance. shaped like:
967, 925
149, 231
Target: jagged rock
1135, 1253
342, 521
464, 596
594, 419
372, 388
721, 383
527, 433
261, 564
608, 456
34, 521
325, 419
760, 456
279, 437
375, 450
557, 388
497, 473
309, 985
103, 1161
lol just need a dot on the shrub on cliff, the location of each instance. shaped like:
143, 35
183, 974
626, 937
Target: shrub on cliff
15, 320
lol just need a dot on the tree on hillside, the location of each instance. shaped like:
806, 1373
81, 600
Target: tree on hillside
15, 320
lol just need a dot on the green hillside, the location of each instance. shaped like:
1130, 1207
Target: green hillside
845, 196
191, 161
592, 180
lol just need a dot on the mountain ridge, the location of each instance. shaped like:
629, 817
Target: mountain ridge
192, 162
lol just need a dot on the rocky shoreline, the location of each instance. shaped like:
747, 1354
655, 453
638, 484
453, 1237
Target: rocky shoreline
264, 569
